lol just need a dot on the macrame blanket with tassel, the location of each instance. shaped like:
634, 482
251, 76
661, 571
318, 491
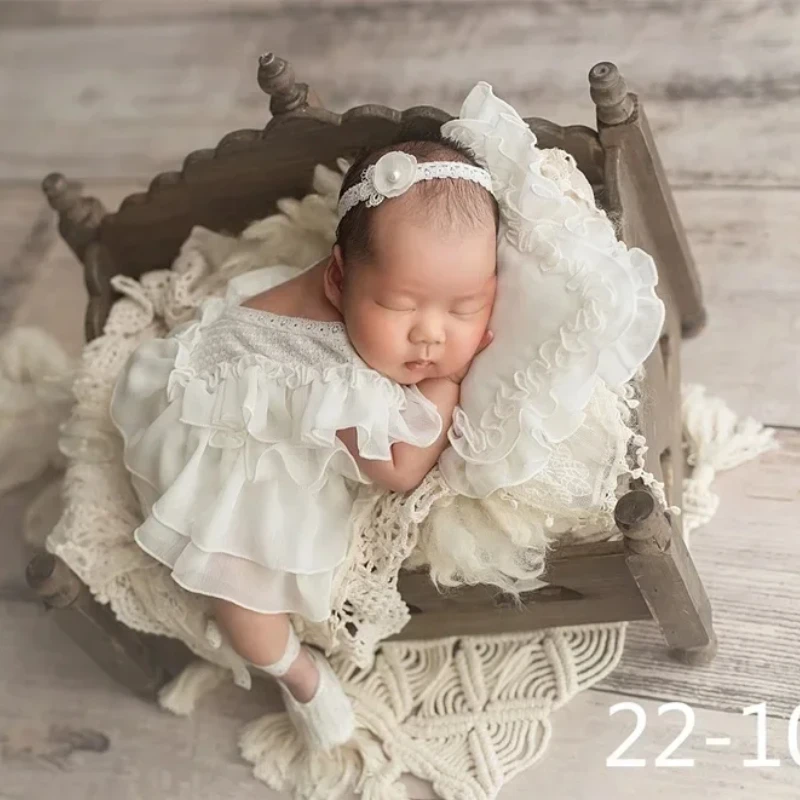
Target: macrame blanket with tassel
485, 700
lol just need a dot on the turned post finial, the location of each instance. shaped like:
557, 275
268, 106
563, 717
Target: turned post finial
61, 194
276, 78
610, 94
644, 526
633, 509
78, 217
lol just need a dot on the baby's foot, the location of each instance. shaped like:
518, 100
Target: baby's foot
327, 719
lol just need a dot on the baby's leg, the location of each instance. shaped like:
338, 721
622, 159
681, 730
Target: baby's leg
315, 699
262, 640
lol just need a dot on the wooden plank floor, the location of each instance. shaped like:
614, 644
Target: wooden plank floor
111, 91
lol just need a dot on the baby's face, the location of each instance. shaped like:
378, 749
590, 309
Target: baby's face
421, 307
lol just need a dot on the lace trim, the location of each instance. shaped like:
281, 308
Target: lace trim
293, 376
285, 322
354, 372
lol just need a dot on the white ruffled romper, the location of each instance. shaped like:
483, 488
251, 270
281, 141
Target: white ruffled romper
229, 428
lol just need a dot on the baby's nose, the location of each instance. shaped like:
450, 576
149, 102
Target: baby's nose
427, 332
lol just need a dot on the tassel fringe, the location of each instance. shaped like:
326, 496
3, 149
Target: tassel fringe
716, 439
181, 695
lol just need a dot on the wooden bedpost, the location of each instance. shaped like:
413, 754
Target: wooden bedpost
276, 78
610, 94
666, 576
637, 192
79, 220
78, 217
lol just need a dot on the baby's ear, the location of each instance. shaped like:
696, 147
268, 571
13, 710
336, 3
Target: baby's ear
334, 278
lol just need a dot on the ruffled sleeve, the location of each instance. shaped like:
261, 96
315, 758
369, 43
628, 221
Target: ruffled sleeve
409, 417
279, 414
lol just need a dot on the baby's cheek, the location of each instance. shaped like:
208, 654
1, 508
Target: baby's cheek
394, 340
462, 342
379, 337
475, 334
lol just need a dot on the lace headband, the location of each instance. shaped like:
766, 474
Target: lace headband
396, 172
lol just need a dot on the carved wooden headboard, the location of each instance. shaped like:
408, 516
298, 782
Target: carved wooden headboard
241, 179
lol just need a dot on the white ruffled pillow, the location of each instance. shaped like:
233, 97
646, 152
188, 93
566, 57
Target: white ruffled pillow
574, 306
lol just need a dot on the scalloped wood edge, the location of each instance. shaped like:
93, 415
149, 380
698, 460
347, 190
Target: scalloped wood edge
549, 133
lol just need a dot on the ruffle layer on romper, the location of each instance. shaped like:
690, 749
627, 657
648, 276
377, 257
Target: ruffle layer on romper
239, 469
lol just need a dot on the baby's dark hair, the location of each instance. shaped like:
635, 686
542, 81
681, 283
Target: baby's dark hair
445, 201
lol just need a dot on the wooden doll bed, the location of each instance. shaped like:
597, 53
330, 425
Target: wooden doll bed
647, 574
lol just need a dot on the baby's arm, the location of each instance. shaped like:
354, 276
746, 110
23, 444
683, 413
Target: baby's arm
409, 464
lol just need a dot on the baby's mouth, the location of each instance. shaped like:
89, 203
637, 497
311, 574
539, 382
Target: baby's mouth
418, 365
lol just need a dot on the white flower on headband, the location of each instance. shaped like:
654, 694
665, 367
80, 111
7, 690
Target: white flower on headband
394, 173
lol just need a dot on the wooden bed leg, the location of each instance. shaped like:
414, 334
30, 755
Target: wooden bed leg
666, 576
121, 652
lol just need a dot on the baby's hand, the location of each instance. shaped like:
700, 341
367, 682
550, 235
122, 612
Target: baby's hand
459, 376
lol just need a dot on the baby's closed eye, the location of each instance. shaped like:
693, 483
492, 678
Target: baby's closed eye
396, 306
468, 309
463, 307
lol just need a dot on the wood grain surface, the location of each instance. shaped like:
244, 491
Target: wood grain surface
748, 558
149, 88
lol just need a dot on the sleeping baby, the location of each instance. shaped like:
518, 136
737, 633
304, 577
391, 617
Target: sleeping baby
245, 428
248, 430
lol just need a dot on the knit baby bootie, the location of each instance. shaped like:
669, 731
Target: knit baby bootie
327, 720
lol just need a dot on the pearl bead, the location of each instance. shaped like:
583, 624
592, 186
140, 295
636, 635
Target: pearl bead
394, 176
